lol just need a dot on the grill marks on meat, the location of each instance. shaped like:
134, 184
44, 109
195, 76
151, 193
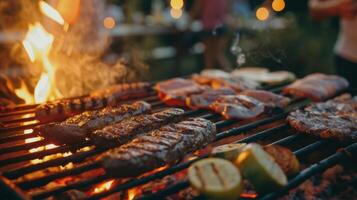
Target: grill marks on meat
336, 118
61, 109
236, 83
159, 147
238, 107
77, 128
174, 91
269, 99
124, 131
317, 86
205, 99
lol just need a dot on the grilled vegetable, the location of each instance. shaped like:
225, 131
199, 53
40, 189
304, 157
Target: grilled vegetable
216, 178
228, 151
260, 169
285, 158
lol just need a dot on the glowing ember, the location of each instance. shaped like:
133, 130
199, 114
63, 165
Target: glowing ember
50, 12
104, 186
132, 193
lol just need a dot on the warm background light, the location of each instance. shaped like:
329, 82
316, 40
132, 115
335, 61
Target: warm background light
278, 5
176, 4
262, 13
109, 22
176, 13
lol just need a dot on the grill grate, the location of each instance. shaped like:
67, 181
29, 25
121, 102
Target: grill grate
15, 189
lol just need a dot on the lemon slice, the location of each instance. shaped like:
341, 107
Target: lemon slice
285, 159
216, 178
260, 169
228, 151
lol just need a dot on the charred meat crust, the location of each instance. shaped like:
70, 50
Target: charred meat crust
159, 147
123, 131
77, 128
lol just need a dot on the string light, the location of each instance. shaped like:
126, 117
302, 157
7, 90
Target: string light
176, 13
262, 13
278, 5
109, 22
176, 4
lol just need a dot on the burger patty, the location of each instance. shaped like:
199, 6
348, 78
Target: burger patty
336, 118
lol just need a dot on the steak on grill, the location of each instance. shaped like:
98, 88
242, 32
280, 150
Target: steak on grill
237, 107
317, 86
336, 118
159, 147
61, 109
174, 91
269, 99
205, 99
124, 131
78, 127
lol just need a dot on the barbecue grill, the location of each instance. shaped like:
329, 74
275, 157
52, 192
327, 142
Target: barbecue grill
17, 155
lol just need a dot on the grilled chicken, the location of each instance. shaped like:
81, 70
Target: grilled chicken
317, 86
238, 107
205, 99
159, 147
336, 118
124, 131
236, 83
269, 99
78, 127
174, 91
61, 109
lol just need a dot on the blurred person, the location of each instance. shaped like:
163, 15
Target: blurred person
346, 45
212, 14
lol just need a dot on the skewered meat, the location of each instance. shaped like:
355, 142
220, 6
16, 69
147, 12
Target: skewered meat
237, 107
61, 109
262, 75
124, 131
269, 99
159, 147
77, 128
174, 91
317, 86
236, 83
205, 99
336, 118
122, 91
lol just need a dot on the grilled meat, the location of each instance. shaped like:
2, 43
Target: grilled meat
122, 91
237, 107
78, 127
336, 118
124, 131
269, 99
317, 86
236, 83
61, 109
205, 99
159, 147
174, 91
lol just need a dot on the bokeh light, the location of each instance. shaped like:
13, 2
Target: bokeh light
176, 4
176, 13
262, 13
109, 22
278, 5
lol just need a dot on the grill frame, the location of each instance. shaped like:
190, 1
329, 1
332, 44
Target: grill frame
15, 191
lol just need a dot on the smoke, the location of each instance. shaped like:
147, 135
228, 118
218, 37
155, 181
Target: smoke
77, 53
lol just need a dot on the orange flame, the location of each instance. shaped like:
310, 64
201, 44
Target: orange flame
132, 193
103, 187
50, 12
24, 93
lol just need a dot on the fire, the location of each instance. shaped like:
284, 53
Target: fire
24, 93
132, 193
50, 12
103, 187
37, 44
